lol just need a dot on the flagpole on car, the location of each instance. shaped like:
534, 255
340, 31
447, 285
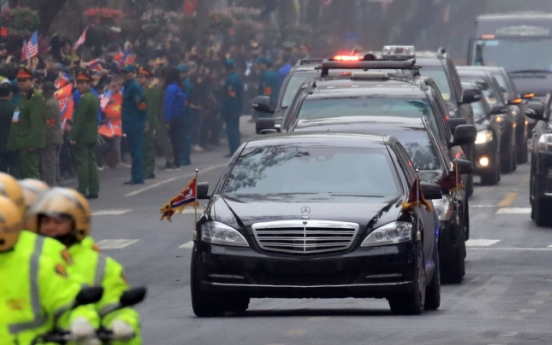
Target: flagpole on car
195, 193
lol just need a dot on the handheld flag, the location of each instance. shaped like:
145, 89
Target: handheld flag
94, 65
24, 52
104, 99
32, 46
81, 40
416, 198
66, 104
187, 197
62, 80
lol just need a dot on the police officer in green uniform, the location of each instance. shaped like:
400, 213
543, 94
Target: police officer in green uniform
270, 82
153, 101
232, 106
135, 123
28, 125
84, 136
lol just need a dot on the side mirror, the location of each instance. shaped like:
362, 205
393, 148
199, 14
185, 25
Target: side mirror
471, 95
535, 110
464, 167
454, 122
264, 123
89, 295
464, 135
203, 191
262, 104
498, 109
133, 296
431, 191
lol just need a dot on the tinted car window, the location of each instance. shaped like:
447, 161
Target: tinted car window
313, 170
478, 110
373, 106
503, 84
487, 90
295, 81
421, 151
440, 78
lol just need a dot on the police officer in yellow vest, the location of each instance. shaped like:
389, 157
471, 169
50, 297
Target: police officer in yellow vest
10, 188
33, 288
64, 214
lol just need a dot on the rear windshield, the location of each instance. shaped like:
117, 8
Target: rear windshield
277, 170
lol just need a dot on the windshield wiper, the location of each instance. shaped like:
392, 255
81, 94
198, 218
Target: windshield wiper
521, 71
358, 195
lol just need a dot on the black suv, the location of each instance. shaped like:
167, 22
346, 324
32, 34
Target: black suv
541, 162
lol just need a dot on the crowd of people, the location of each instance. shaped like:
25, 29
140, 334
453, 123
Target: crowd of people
62, 114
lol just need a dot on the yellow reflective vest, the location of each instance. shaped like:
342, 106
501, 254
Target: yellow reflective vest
33, 287
50, 247
96, 269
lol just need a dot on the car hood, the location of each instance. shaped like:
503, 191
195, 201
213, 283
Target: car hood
538, 83
364, 211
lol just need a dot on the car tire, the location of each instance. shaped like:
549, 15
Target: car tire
237, 304
541, 211
522, 150
203, 304
455, 272
412, 303
433, 290
508, 164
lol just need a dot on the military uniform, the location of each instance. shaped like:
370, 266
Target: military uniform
134, 120
85, 134
153, 101
6, 115
269, 86
28, 129
49, 157
232, 107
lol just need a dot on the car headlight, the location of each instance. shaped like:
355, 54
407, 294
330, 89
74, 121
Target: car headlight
545, 141
392, 233
443, 207
219, 233
483, 137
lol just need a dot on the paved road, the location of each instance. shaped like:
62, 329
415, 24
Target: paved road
506, 297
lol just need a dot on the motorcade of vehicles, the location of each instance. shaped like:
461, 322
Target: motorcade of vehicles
433, 164
516, 104
318, 215
494, 96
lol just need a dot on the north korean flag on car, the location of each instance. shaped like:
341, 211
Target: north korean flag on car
416, 198
187, 197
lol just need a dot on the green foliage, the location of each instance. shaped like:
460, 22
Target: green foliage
20, 19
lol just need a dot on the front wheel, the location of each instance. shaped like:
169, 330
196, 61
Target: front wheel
433, 290
541, 212
455, 271
203, 304
412, 303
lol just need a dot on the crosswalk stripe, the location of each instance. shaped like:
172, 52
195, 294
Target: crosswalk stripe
110, 212
188, 245
115, 244
481, 243
514, 210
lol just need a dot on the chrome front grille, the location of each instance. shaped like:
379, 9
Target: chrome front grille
305, 236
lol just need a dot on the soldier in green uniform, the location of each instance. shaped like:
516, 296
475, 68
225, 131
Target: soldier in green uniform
49, 157
28, 125
135, 123
84, 136
153, 101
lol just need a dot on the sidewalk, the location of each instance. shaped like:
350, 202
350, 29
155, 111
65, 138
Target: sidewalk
247, 130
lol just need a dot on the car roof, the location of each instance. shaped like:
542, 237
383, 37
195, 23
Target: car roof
383, 122
515, 15
320, 139
347, 87
468, 71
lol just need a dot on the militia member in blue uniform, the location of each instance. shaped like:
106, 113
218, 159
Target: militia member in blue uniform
187, 120
269, 84
135, 123
232, 106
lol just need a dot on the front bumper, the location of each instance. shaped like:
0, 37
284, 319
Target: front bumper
377, 272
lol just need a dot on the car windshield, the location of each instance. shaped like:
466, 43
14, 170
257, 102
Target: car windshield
511, 53
277, 170
440, 78
482, 84
295, 82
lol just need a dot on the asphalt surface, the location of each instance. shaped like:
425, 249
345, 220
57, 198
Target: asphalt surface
506, 297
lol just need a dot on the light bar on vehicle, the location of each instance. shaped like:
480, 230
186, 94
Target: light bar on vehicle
346, 58
366, 65
398, 52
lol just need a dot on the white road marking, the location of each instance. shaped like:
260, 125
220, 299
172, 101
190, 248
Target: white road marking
514, 210
514, 249
481, 243
187, 245
508, 334
550, 246
115, 244
172, 179
110, 212
536, 302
